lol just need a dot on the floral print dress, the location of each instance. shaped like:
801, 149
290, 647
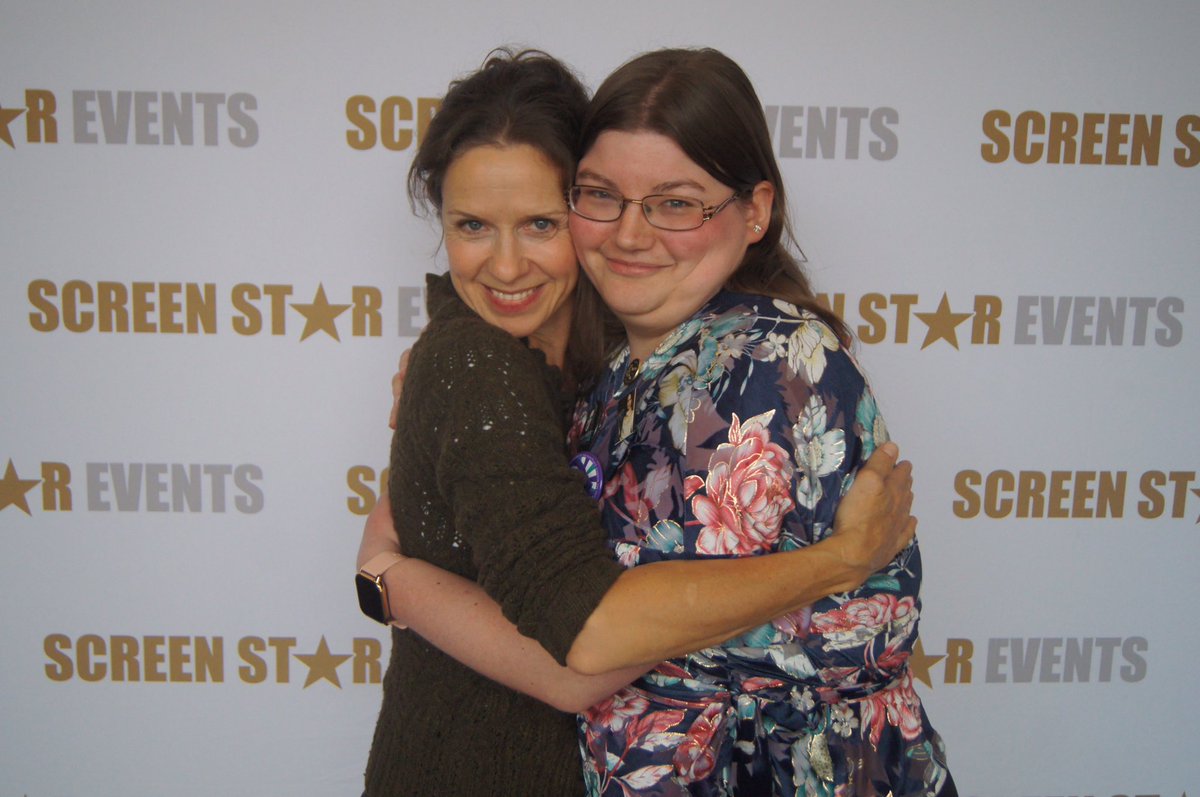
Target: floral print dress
737, 437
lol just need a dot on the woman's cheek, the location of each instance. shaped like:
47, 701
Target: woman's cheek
585, 236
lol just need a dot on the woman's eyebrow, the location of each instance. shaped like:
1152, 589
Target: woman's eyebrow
673, 184
587, 177
547, 212
556, 213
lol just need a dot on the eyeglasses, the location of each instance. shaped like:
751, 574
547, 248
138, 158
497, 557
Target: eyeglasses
666, 212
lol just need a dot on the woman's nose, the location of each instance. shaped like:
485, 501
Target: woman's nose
509, 263
633, 230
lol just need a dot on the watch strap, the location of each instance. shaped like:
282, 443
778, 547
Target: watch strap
373, 569
380, 563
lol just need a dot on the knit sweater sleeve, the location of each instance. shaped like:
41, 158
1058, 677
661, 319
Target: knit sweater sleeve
500, 465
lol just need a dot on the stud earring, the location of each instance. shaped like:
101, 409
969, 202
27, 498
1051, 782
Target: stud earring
757, 229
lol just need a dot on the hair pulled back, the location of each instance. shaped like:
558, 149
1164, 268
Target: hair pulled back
703, 101
524, 97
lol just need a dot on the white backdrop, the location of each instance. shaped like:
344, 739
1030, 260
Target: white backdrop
210, 269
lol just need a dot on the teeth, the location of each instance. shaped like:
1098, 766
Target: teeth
512, 297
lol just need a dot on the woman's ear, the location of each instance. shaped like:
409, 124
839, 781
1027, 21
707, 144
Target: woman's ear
758, 210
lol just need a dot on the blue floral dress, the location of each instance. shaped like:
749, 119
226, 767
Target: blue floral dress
737, 437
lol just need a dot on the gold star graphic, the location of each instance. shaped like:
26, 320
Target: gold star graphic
13, 489
7, 116
319, 316
942, 323
322, 664
919, 663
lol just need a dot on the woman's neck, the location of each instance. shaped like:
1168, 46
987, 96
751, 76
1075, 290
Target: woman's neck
644, 338
643, 341
641, 347
552, 342
556, 354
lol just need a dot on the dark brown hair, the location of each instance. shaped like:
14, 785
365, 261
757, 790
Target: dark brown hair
526, 97
523, 97
703, 101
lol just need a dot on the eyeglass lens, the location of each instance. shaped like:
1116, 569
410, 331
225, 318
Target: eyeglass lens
661, 210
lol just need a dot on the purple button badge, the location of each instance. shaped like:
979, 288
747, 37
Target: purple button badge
587, 464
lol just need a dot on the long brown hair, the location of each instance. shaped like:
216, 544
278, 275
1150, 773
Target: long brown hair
703, 101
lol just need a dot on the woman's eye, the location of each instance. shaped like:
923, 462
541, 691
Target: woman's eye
675, 203
543, 225
470, 225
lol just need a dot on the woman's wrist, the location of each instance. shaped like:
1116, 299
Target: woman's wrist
394, 585
848, 568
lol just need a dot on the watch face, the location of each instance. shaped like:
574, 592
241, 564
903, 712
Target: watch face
370, 598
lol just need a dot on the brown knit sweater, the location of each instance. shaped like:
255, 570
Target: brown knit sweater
480, 486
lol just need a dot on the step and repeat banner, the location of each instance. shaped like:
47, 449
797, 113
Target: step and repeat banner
210, 269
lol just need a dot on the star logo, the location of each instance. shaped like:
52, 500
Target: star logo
919, 663
942, 324
13, 489
322, 664
320, 315
7, 115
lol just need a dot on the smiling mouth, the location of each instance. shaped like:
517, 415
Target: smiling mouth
513, 298
626, 268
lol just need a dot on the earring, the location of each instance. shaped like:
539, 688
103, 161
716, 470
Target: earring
757, 229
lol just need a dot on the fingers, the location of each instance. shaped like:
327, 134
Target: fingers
910, 533
398, 387
883, 462
401, 370
900, 482
901, 478
397, 381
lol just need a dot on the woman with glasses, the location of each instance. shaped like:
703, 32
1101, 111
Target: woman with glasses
730, 425
478, 486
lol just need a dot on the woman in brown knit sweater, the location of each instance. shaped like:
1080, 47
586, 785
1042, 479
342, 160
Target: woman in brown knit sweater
504, 556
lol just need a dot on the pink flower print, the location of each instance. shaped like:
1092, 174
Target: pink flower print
834, 678
615, 712
894, 655
795, 624
856, 622
697, 755
755, 684
627, 496
628, 554
671, 670
652, 731
897, 706
746, 493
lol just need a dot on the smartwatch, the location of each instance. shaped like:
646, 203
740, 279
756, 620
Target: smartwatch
372, 594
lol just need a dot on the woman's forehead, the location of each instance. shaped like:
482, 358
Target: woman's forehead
651, 161
490, 179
